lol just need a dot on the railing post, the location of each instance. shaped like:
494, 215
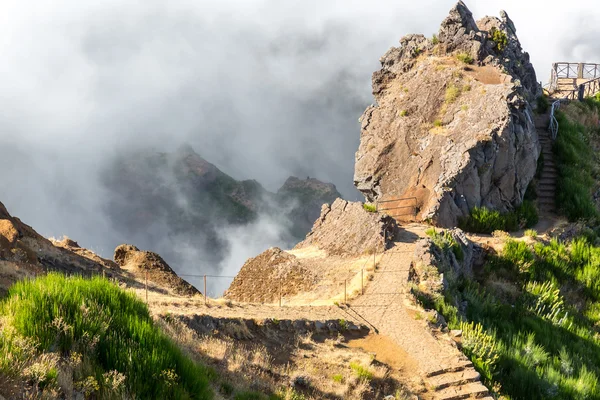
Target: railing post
362, 282
205, 296
345, 289
580, 71
146, 285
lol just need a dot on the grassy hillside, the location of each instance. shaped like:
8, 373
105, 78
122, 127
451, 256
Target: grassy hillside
62, 334
578, 165
531, 321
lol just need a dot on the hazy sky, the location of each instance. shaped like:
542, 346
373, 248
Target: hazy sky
262, 88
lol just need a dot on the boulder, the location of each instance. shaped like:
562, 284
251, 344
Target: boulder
139, 262
452, 126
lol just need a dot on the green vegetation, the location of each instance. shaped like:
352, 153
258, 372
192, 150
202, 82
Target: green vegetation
403, 113
465, 58
542, 104
434, 39
97, 336
445, 241
575, 162
338, 378
483, 220
500, 39
438, 123
361, 372
372, 208
531, 323
532, 233
452, 93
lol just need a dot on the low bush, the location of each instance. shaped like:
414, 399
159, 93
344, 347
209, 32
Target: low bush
484, 220
452, 93
499, 38
465, 58
361, 372
372, 208
445, 241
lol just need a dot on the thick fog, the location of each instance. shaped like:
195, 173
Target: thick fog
264, 89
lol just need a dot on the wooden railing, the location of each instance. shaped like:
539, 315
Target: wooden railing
399, 208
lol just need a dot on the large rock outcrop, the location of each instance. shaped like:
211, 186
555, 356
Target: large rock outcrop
453, 123
346, 229
140, 263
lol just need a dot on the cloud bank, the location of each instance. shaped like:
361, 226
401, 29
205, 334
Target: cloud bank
264, 89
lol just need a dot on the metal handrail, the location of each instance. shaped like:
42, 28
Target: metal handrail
553, 120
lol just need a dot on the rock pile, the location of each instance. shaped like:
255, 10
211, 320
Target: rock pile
138, 262
269, 276
452, 125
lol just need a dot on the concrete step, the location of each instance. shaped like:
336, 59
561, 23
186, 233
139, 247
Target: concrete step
473, 390
456, 367
454, 379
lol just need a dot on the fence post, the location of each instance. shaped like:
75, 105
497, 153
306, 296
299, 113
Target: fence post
362, 284
146, 285
205, 298
345, 293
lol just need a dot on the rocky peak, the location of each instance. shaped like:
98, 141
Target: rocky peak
452, 125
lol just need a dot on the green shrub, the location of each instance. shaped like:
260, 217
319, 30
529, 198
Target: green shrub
434, 39
361, 372
542, 104
445, 241
372, 208
532, 233
500, 39
111, 328
438, 123
452, 93
403, 113
338, 378
483, 220
465, 58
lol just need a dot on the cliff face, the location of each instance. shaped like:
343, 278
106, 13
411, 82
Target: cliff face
452, 125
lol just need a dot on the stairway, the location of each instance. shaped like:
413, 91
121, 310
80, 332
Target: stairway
546, 188
459, 382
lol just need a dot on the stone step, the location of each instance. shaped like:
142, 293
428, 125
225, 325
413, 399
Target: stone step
474, 390
454, 378
456, 367
550, 172
549, 175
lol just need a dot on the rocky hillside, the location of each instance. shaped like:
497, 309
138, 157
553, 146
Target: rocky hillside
25, 254
343, 237
452, 125
174, 202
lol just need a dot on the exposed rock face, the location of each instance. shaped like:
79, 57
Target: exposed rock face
345, 232
138, 262
346, 229
25, 253
444, 262
452, 135
267, 276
